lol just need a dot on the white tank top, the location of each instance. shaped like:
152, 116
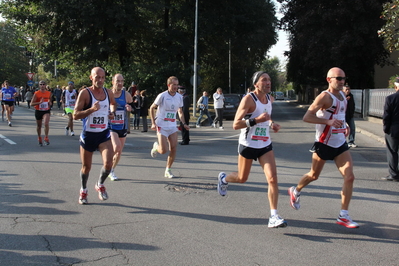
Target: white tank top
97, 121
257, 136
70, 98
331, 136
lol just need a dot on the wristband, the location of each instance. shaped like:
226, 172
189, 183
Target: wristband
250, 122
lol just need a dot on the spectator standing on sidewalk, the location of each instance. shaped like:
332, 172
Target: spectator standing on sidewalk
390, 121
218, 102
137, 107
328, 113
253, 118
144, 109
28, 96
349, 116
203, 106
57, 95
186, 112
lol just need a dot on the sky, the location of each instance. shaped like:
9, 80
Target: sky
279, 48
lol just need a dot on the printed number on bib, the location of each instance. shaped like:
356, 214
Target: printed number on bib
343, 127
260, 133
119, 118
170, 117
97, 122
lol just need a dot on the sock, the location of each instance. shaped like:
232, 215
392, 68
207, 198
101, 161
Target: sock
84, 178
103, 175
167, 169
343, 212
273, 212
296, 192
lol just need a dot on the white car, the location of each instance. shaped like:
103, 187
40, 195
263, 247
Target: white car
279, 95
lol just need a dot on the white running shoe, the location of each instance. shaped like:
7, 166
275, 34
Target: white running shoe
222, 187
294, 199
276, 221
112, 176
168, 174
66, 131
346, 221
83, 197
72, 133
154, 150
102, 193
221, 127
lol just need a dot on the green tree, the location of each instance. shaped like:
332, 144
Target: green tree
389, 31
14, 63
324, 34
272, 66
148, 41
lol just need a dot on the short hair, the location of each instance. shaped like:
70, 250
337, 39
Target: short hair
171, 79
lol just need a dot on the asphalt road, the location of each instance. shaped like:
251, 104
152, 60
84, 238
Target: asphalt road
151, 220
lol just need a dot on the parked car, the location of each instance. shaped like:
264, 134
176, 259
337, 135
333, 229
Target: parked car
279, 95
231, 103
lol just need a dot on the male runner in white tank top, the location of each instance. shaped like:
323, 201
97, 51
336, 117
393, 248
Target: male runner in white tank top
328, 113
253, 117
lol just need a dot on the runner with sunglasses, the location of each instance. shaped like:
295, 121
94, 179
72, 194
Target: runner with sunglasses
328, 113
42, 102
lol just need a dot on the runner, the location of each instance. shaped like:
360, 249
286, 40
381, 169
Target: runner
8, 95
69, 97
42, 102
119, 124
95, 106
253, 117
167, 104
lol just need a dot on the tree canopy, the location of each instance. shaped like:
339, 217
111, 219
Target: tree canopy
148, 41
325, 34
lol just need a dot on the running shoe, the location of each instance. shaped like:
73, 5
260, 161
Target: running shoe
221, 127
213, 125
66, 131
345, 220
83, 197
112, 176
9, 124
154, 150
352, 145
72, 133
102, 194
294, 200
276, 221
46, 141
40, 141
168, 174
222, 187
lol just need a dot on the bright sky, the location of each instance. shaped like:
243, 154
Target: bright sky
282, 43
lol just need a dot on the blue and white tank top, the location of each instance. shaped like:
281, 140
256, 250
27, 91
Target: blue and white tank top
97, 121
120, 120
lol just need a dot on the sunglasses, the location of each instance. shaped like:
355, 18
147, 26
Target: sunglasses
338, 78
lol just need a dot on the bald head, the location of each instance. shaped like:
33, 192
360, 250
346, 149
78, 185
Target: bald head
97, 77
335, 72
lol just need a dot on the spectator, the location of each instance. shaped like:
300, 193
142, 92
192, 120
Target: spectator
390, 121
218, 102
203, 104
144, 109
186, 113
350, 120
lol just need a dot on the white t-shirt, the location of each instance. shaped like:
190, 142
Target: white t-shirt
218, 100
167, 109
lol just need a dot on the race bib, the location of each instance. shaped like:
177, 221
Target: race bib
343, 127
43, 106
119, 118
170, 116
97, 122
261, 132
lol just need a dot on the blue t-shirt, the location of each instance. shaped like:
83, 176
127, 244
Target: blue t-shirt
8, 94
120, 120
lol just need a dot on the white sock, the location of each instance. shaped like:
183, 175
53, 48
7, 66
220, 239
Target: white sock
343, 212
273, 212
224, 180
296, 192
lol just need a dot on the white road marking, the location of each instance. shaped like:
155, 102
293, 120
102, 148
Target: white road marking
8, 140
